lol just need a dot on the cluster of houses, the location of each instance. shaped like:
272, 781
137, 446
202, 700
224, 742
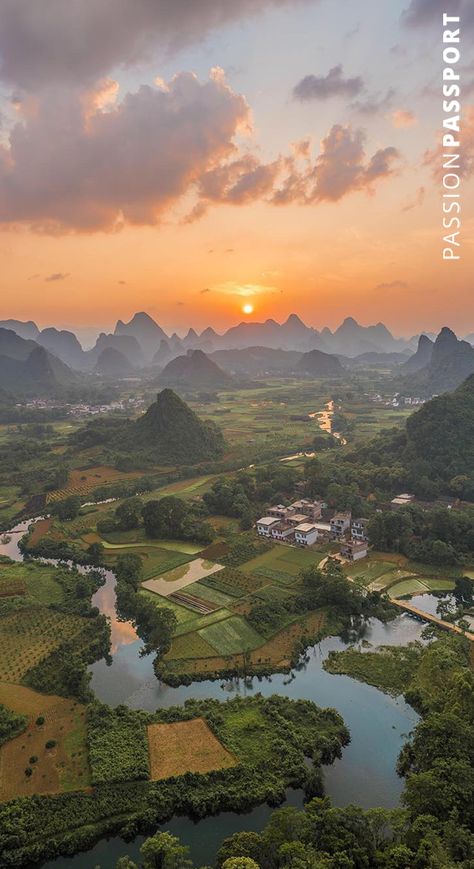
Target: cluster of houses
301, 524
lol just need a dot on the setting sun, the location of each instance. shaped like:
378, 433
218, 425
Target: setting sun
247, 309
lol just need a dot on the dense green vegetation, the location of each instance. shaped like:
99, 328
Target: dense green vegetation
11, 724
435, 827
437, 536
168, 432
270, 738
49, 608
434, 454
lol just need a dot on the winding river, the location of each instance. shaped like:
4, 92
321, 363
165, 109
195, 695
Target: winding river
365, 775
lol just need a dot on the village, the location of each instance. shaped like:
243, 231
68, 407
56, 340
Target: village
302, 524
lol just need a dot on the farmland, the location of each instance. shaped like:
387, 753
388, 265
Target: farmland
28, 637
62, 725
228, 756
185, 746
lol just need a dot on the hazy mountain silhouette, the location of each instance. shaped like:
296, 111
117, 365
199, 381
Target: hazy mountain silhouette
113, 363
64, 345
195, 370
146, 331
40, 374
26, 330
422, 357
451, 362
319, 364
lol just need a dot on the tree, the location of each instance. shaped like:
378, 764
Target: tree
240, 863
66, 509
164, 518
128, 514
95, 553
129, 569
164, 851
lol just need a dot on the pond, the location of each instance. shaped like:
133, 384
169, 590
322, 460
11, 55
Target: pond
365, 775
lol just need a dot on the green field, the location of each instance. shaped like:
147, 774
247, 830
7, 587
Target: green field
231, 636
282, 563
208, 594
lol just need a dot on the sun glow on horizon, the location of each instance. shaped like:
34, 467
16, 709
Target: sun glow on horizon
247, 308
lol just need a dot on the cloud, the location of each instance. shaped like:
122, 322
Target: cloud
402, 119
375, 104
68, 169
57, 276
391, 285
75, 42
434, 158
417, 201
421, 12
333, 84
342, 167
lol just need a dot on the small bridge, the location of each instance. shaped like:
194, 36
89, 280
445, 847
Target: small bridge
428, 617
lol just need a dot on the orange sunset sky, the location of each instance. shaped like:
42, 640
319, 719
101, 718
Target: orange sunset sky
188, 160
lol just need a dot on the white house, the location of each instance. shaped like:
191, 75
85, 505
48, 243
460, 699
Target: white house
282, 531
306, 534
359, 529
354, 550
265, 525
311, 509
340, 524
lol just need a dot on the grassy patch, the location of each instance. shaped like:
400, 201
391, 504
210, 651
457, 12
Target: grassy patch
391, 668
407, 587
231, 636
189, 647
209, 594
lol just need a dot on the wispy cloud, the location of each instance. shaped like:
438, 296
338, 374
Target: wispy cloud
57, 276
403, 119
322, 87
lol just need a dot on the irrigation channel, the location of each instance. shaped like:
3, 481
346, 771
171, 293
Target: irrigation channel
365, 774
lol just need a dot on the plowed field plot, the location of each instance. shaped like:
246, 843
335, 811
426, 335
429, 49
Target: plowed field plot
180, 577
185, 746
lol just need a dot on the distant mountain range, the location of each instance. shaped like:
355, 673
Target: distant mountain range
248, 350
350, 339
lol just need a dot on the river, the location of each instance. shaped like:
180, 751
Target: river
365, 775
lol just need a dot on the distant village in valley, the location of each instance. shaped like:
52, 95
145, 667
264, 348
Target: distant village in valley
303, 523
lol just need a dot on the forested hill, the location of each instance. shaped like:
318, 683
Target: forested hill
437, 443
169, 432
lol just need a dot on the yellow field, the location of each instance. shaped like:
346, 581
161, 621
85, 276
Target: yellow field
185, 746
62, 768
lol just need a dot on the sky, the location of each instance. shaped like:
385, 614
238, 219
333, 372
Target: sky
197, 159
